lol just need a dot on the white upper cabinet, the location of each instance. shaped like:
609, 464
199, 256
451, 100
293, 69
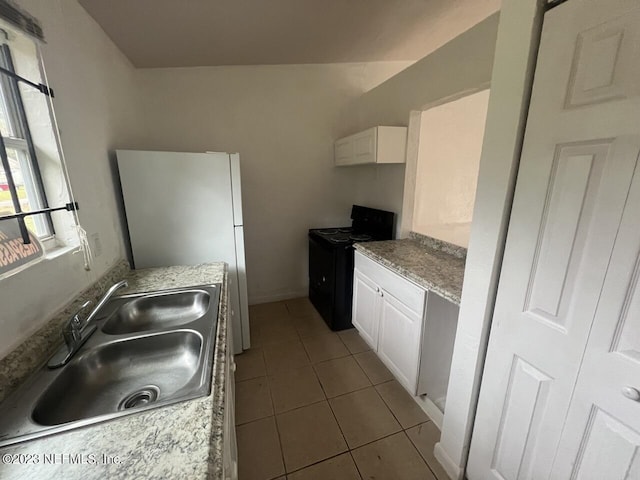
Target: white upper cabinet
375, 145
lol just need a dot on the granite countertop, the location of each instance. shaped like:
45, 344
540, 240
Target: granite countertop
179, 441
434, 265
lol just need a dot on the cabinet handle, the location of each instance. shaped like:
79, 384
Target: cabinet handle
631, 393
377, 289
381, 293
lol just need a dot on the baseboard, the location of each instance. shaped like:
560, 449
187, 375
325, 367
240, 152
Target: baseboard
453, 470
277, 297
430, 408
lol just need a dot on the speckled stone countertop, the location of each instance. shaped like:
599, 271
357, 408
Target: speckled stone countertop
180, 441
435, 266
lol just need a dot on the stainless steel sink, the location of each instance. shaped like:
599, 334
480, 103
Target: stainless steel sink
161, 310
149, 350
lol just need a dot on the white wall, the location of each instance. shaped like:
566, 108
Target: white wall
96, 103
447, 172
462, 65
283, 121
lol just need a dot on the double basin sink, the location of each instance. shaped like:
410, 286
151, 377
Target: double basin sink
149, 350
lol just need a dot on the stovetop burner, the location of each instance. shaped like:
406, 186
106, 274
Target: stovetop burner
343, 235
360, 237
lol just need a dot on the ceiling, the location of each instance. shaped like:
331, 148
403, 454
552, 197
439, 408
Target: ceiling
185, 33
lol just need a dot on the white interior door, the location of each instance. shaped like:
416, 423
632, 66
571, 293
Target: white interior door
580, 151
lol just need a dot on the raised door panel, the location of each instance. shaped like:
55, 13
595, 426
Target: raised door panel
343, 151
520, 422
399, 341
366, 315
609, 449
364, 146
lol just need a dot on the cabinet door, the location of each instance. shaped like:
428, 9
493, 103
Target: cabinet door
366, 316
364, 146
399, 340
343, 151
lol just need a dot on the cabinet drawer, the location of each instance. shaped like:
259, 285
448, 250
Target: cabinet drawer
407, 292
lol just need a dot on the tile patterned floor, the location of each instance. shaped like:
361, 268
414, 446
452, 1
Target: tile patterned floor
312, 404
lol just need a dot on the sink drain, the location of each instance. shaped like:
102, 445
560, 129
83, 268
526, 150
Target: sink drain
140, 398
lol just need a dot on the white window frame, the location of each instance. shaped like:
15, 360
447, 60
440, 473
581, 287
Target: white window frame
22, 143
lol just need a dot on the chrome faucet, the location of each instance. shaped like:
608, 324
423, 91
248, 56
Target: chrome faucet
105, 298
75, 331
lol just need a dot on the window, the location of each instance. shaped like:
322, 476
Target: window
28, 194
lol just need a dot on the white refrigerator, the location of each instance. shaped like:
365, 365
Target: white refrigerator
186, 209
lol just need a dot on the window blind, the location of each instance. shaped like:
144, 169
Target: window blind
20, 19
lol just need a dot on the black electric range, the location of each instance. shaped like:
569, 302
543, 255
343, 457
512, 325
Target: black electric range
331, 262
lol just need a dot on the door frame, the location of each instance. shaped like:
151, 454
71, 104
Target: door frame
517, 45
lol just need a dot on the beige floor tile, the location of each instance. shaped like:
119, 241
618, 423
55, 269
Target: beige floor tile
373, 367
363, 417
353, 341
311, 326
392, 458
253, 400
259, 454
324, 347
341, 375
424, 437
277, 331
295, 388
268, 310
300, 306
341, 467
402, 405
309, 435
284, 356
250, 364
254, 336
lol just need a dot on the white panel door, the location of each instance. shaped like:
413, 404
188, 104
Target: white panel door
399, 340
580, 150
366, 309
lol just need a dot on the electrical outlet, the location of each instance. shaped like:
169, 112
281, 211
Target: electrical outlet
96, 246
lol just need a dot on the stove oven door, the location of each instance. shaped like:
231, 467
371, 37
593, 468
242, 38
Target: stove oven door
322, 278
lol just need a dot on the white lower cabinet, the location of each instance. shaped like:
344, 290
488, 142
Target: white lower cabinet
411, 329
